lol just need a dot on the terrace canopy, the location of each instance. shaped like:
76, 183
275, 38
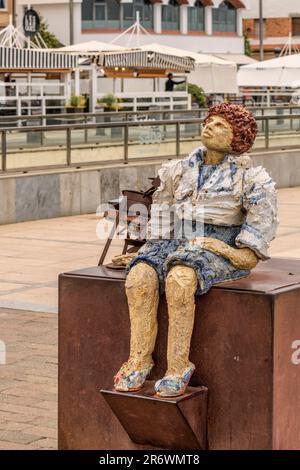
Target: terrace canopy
213, 74
14, 59
145, 61
90, 48
280, 72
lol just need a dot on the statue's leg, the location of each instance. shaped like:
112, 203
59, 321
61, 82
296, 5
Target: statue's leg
142, 290
181, 286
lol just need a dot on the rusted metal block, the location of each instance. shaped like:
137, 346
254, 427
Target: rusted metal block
172, 423
244, 346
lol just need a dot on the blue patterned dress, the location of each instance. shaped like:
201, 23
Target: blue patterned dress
243, 197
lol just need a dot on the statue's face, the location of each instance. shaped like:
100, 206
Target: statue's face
217, 134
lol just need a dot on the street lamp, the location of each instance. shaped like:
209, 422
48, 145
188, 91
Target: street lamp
261, 31
71, 21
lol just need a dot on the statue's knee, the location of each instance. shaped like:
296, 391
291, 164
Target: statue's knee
143, 277
181, 281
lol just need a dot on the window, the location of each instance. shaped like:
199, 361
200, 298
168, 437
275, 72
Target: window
196, 17
144, 7
2, 4
170, 16
224, 18
296, 26
102, 14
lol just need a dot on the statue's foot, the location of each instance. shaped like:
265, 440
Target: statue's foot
132, 375
174, 385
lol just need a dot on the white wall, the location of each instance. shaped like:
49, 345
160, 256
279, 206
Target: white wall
212, 44
273, 8
56, 13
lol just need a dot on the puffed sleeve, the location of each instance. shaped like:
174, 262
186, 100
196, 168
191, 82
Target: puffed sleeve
160, 225
260, 204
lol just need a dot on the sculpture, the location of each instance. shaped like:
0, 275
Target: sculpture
237, 206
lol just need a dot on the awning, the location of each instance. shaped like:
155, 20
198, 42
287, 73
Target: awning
91, 48
35, 59
146, 59
238, 59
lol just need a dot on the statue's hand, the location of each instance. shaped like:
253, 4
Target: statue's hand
123, 260
240, 258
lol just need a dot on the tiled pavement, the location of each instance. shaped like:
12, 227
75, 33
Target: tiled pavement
28, 381
32, 255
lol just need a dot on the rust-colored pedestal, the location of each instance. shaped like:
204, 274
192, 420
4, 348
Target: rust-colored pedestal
172, 423
242, 346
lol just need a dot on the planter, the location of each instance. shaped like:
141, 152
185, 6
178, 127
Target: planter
74, 110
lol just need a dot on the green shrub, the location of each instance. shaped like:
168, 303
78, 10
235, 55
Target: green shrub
77, 101
110, 101
196, 91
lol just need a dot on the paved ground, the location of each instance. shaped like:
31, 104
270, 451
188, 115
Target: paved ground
33, 254
28, 381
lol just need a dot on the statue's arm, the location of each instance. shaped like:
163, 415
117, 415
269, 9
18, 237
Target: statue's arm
240, 258
260, 205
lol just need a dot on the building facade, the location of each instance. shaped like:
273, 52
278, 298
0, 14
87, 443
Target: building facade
281, 23
6, 12
198, 25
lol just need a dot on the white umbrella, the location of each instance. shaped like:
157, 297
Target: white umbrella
213, 74
90, 48
280, 72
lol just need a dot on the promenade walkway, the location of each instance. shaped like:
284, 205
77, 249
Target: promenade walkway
32, 255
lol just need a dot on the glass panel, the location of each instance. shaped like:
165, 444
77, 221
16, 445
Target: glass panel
296, 26
225, 18
170, 17
145, 10
196, 19
99, 144
19, 145
113, 10
152, 141
87, 9
127, 11
100, 12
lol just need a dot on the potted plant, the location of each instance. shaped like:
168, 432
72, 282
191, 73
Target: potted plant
110, 103
76, 104
198, 101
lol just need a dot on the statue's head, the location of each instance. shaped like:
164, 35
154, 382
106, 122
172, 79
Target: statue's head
229, 128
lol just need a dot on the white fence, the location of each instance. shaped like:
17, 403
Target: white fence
18, 98
139, 101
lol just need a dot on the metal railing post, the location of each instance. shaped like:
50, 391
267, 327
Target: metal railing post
85, 131
177, 139
42, 132
4, 149
267, 135
126, 134
68, 142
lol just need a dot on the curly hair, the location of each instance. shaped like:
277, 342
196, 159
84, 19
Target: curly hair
242, 122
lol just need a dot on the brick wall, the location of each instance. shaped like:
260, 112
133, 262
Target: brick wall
4, 14
278, 27
274, 27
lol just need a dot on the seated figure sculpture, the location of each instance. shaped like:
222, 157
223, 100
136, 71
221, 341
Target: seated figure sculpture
237, 206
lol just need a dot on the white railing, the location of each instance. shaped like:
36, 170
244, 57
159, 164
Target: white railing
20, 97
138, 101
267, 97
